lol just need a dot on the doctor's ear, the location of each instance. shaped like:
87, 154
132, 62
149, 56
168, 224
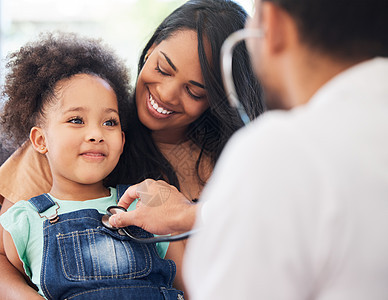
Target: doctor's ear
38, 140
278, 26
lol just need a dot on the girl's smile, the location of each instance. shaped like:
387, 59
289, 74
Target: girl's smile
93, 156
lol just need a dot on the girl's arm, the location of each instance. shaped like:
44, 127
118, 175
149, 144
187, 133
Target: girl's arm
13, 284
11, 252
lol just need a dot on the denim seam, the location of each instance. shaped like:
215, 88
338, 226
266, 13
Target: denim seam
171, 272
149, 255
171, 265
80, 260
65, 262
43, 273
111, 288
95, 258
113, 265
63, 258
69, 220
131, 255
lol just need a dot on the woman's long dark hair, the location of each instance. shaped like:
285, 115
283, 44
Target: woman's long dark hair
213, 21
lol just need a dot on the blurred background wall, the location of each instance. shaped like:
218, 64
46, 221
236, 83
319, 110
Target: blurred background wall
124, 24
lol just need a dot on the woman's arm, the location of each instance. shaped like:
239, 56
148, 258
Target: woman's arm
13, 285
175, 252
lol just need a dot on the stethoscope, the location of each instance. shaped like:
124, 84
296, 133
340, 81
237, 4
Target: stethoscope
111, 210
227, 76
226, 66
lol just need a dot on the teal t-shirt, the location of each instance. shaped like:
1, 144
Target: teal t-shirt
26, 228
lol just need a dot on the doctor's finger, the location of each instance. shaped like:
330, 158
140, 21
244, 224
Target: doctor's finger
123, 219
129, 196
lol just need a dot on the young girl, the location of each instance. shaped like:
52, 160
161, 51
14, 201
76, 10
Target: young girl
69, 94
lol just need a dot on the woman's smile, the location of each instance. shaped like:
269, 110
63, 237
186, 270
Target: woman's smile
157, 109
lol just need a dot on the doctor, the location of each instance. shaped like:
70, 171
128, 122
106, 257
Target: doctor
297, 207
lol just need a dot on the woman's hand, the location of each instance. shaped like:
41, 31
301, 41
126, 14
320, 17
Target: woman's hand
161, 208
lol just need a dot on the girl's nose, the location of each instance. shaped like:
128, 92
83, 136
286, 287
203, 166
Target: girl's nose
95, 136
94, 140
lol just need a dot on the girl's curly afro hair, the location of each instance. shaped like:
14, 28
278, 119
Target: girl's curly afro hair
35, 69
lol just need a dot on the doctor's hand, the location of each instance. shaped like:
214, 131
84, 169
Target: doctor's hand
161, 208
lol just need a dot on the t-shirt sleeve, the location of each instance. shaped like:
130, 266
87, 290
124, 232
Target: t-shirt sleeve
15, 221
24, 175
162, 248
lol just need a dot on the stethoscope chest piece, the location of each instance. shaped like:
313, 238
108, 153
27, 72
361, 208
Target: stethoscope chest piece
111, 210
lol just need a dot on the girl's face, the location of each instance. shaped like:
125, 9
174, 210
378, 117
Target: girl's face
170, 91
82, 134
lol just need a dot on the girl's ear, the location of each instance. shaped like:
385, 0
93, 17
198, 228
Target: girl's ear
123, 141
38, 140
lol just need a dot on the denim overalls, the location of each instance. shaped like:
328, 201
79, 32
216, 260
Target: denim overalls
84, 260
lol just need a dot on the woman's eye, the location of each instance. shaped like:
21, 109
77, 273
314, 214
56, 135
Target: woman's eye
76, 120
111, 122
192, 95
159, 70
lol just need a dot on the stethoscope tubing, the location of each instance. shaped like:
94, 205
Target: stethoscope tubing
160, 238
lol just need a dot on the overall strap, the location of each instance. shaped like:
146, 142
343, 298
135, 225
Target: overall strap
42, 203
121, 188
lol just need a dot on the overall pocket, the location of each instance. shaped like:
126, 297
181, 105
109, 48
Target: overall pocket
99, 254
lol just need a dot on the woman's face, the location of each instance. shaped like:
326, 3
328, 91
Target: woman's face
170, 91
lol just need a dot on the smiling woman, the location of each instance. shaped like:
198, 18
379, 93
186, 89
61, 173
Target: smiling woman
170, 92
181, 119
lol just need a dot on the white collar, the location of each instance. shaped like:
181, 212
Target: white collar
368, 77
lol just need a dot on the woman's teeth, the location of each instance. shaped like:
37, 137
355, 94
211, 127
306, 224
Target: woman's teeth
159, 109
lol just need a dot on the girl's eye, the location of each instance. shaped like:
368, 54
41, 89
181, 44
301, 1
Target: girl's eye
192, 95
76, 120
161, 72
111, 122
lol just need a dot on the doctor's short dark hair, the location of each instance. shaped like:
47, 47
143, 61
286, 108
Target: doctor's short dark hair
35, 69
346, 29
